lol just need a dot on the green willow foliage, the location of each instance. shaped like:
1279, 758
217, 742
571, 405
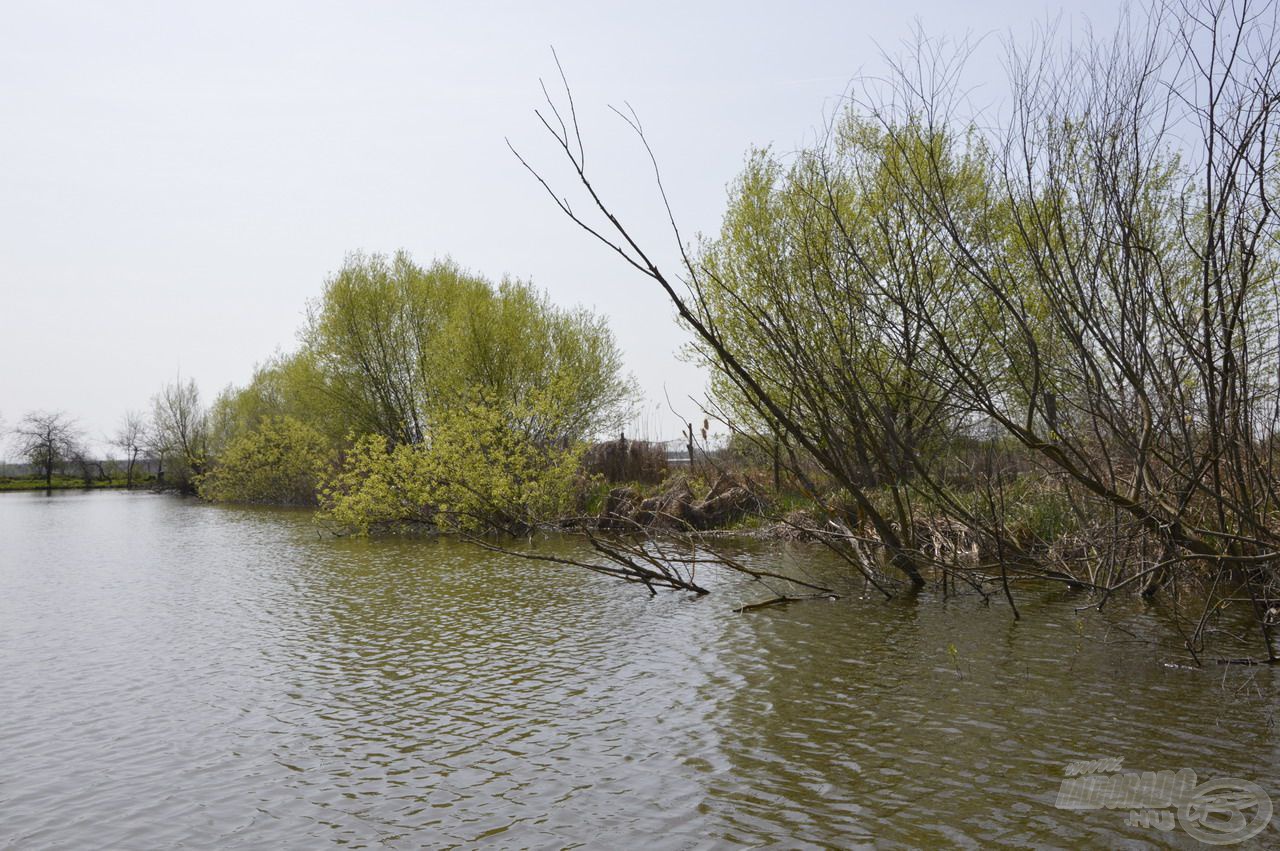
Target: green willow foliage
933, 318
481, 470
817, 282
282, 462
438, 385
390, 343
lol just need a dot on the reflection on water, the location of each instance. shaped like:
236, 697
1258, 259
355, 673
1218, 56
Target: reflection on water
176, 674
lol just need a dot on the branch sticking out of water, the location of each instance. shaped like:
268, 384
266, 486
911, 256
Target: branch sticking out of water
782, 600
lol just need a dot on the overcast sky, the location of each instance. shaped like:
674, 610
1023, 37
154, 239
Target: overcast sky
178, 179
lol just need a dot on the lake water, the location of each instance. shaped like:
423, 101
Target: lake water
174, 674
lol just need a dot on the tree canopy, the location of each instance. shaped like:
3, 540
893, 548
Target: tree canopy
390, 343
445, 396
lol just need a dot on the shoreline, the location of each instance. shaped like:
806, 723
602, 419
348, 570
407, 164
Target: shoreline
28, 485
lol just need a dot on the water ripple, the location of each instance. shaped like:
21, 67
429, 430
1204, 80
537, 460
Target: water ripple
178, 675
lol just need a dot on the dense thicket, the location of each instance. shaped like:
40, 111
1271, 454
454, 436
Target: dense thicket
1074, 308
283, 461
389, 343
447, 399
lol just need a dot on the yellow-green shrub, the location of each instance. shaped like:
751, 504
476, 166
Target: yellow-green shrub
482, 470
282, 462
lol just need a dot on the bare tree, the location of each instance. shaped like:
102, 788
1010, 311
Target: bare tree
87, 466
1135, 335
47, 440
179, 430
131, 438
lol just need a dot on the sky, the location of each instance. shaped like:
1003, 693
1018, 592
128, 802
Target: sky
177, 179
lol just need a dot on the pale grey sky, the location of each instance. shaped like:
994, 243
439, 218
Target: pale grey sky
177, 179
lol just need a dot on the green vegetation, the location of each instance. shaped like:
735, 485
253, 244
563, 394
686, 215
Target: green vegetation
418, 396
1041, 348
282, 461
58, 482
389, 344
483, 469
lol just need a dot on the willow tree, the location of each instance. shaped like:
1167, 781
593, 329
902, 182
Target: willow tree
507, 345
807, 309
816, 284
1140, 175
389, 342
369, 338
1092, 281
396, 359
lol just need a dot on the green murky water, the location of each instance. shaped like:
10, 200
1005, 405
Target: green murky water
174, 674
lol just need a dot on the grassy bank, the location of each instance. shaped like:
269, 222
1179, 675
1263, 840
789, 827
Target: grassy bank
30, 483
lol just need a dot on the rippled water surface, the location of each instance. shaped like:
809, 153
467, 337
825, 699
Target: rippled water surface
174, 674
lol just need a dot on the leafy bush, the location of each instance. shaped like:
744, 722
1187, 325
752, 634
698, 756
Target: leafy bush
482, 470
281, 462
378, 486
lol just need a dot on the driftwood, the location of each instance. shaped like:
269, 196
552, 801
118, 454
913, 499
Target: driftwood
782, 599
677, 507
